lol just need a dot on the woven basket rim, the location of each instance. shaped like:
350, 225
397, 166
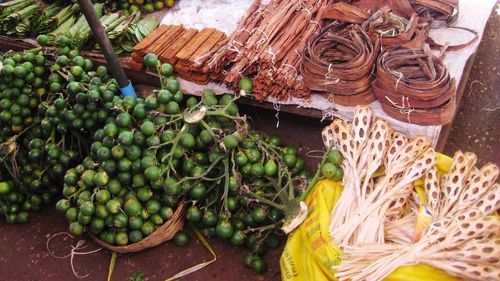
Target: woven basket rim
162, 234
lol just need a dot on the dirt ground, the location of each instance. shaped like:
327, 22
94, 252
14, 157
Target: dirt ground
23, 248
476, 126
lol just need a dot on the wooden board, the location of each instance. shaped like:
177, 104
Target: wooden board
165, 39
196, 41
169, 55
150, 38
169, 38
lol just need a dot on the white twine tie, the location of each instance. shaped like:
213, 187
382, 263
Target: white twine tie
74, 251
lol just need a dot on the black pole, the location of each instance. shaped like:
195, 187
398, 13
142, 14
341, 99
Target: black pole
107, 49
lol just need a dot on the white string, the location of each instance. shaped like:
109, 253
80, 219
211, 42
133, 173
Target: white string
308, 12
395, 104
270, 72
312, 154
234, 49
407, 101
48, 241
247, 30
328, 75
211, 61
382, 33
408, 112
403, 110
313, 22
236, 42
391, 31
197, 61
264, 40
293, 68
79, 245
273, 55
400, 74
277, 107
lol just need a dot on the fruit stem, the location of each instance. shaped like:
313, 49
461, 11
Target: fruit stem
268, 202
281, 191
315, 179
170, 155
265, 227
288, 196
226, 185
159, 75
202, 176
221, 114
206, 126
10, 172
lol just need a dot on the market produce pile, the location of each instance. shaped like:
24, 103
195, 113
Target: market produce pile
415, 210
30, 18
164, 149
123, 165
45, 123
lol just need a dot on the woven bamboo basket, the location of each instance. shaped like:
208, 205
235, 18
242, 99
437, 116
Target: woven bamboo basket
162, 234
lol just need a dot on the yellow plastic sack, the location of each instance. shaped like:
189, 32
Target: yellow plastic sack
309, 253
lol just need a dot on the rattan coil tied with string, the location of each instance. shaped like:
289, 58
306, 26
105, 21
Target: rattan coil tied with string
338, 63
414, 86
439, 12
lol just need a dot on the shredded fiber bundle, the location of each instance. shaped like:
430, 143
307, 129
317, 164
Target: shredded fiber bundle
463, 239
268, 43
382, 223
367, 144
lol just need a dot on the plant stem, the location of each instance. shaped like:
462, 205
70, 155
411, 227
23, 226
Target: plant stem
226, 184
268, 202
265, 227
315, 179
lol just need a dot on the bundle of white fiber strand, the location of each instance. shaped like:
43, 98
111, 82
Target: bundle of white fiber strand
366, 145
463, 238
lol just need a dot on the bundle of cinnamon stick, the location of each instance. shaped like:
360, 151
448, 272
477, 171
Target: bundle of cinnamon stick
268, 43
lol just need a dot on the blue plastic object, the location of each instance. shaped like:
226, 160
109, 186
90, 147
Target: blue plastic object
128, 91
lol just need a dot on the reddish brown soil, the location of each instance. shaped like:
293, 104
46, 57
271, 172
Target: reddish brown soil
476, 127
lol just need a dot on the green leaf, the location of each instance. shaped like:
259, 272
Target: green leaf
136, 276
